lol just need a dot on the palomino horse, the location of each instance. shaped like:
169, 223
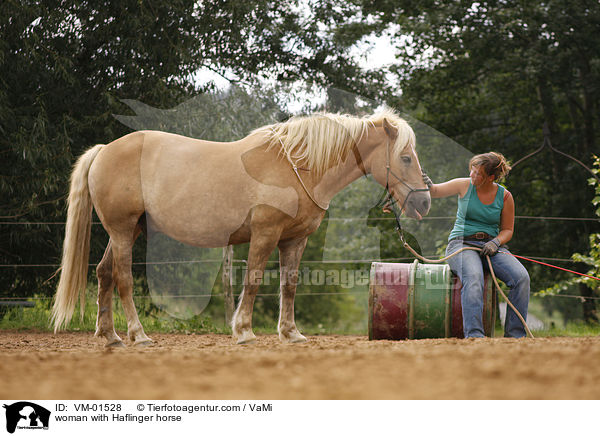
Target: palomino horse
270, 189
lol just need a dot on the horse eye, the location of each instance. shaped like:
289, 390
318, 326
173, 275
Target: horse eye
406, 159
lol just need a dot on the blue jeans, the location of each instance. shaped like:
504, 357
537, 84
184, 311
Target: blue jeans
469, 266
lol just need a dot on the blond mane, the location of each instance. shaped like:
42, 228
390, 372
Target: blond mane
324, 140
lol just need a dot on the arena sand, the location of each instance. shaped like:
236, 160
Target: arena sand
77, 366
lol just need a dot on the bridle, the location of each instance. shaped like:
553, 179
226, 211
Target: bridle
388, 199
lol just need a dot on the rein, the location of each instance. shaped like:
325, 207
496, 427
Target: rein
295, 168
400, 232
489, 262
304, 186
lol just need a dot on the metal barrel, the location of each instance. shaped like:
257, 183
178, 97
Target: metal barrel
418, 301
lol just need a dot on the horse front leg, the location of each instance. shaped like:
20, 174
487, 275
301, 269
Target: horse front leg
261, 246
290, 253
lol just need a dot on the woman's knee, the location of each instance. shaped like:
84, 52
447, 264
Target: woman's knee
472, 287
522, 280
518, 277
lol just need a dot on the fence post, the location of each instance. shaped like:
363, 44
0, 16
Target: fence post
228, 283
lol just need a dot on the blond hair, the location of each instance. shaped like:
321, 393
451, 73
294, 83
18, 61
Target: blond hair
76, 247
323, 140
494, 164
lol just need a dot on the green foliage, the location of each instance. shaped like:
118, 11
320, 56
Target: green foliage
489, 75
67, 67
573, 285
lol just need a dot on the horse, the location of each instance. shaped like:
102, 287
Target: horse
271, 189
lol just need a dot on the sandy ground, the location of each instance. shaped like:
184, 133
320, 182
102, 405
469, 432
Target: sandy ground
77, 366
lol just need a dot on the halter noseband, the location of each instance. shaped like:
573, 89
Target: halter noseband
387, 196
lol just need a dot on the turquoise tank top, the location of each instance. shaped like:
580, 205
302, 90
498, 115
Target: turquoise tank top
473, 216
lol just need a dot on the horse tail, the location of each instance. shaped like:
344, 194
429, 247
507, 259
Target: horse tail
76, 246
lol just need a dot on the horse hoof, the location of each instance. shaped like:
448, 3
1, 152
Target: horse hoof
143, 343
246, 341
115, 344
245, 336
292, 337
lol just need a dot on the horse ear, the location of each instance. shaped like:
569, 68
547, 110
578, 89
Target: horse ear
390, 130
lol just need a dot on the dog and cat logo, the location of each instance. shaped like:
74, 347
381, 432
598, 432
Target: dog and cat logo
26, 416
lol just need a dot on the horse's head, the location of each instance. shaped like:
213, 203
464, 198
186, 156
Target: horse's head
395, 165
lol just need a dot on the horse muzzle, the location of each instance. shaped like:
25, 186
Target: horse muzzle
417, 205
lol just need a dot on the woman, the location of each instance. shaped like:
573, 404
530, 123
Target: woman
485, 219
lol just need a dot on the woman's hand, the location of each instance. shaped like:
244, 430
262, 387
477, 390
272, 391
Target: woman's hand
426, 179
490, 248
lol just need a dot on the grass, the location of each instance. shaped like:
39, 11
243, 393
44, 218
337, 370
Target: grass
155, 321
572, 329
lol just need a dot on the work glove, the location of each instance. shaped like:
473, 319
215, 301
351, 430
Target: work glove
426, 179
490, 248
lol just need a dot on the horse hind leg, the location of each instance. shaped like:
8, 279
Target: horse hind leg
104, 321
122, 247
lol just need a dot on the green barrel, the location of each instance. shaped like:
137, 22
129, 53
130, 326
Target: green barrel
430, 308
418, 301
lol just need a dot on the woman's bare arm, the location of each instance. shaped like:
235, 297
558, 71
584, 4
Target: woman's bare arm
507, 219
449, 188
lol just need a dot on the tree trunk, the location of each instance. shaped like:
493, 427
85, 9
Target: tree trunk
588, 107
547, 106
574, 111
589, 305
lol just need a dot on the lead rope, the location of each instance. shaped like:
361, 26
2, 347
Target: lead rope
418, 256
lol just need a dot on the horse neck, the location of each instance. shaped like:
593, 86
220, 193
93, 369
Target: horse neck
337, 178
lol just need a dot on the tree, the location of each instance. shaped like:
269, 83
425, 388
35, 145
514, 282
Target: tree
66, 66
585, 286
489, 75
